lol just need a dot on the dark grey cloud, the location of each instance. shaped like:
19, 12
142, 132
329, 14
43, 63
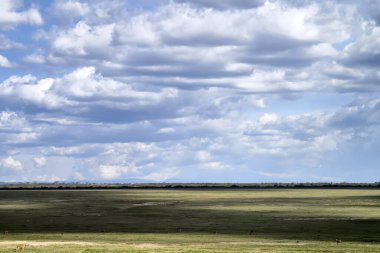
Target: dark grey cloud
363, 60
359, 114
368, 9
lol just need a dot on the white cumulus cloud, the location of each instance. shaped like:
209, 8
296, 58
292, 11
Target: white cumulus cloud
11, 164
4, 62
116, 171
39, 162
10, 17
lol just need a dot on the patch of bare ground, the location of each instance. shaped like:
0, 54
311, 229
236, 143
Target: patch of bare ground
10, 243
327, 218
156, 203
46, 243
79, 243
262, 243
146, 246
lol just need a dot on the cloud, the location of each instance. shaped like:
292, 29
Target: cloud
6, 43
9, 17
214, 166
278, 175
203, 156
39, 162
228, 144
95, 11
9, 120
225, 5
4, 62
365, 51
68, 10
15, 129
369, 10
47, 178
167, 46
36, 58
83, 40
115, 171
188, 47
196, 90
82, 92
268, 118
162, 176
359, 114
11, 164
346, 78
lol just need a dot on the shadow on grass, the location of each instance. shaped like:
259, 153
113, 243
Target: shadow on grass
172, 211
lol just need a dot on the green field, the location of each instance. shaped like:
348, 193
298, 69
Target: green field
224, 220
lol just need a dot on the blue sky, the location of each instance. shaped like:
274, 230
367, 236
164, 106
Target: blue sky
190, 91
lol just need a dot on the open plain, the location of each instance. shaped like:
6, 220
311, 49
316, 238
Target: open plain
190, 220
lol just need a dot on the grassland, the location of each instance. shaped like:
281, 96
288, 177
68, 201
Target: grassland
219, 220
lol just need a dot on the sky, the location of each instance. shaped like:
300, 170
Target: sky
189, 91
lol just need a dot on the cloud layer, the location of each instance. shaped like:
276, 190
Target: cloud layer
190, 91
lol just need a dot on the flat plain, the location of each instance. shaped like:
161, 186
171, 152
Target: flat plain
191, 220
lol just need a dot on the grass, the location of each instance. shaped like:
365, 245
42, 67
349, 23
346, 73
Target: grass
232, 220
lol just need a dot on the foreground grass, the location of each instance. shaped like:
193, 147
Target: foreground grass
191, 220
126, 242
